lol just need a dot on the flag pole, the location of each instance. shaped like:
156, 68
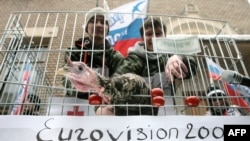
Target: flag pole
147, 9
148, 5
97, 3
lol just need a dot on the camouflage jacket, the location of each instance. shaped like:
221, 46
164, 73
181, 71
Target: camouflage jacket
147, 64
150, 65
93, 56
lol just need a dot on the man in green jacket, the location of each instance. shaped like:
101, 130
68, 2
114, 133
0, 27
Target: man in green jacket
159, 69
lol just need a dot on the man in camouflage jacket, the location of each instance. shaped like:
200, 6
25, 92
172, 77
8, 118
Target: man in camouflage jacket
142, 61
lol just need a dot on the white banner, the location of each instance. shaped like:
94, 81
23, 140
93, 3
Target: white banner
116, 128
183, 44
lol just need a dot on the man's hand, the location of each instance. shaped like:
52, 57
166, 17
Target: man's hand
105, 98
105, 110
175, 68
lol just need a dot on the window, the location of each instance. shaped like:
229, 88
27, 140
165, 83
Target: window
36, 54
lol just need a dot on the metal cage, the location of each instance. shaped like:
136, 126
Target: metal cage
39, 40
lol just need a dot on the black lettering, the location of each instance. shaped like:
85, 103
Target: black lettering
92, 135
200, 130
164, 131
129, 134
79, 138
190, 127
222, 132
140, 131
177, 132
60, 138
112, 137
151, 134
38, 137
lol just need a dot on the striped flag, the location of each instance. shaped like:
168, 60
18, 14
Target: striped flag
244, 90
18, 107
125, 22
214, 72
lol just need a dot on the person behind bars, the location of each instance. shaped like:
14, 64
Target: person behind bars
32, 105
143, 61
220, 105
94, 49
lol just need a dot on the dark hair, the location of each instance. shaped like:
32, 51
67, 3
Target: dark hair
152, 23
35, 99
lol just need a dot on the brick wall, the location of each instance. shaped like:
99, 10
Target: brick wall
237, 13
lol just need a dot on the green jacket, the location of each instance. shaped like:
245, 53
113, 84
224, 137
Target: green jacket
93, 57
147, 64
150, 65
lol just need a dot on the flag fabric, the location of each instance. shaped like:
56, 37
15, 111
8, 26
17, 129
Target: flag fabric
244, 90
125, 22
22, 93
214, 72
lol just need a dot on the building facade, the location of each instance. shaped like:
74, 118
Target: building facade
45, 28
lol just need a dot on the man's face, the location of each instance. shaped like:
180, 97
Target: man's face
149, 34
219, 104
97, 28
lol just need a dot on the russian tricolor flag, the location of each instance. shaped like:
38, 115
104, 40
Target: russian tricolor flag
23, 91
215, 72
125, 22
